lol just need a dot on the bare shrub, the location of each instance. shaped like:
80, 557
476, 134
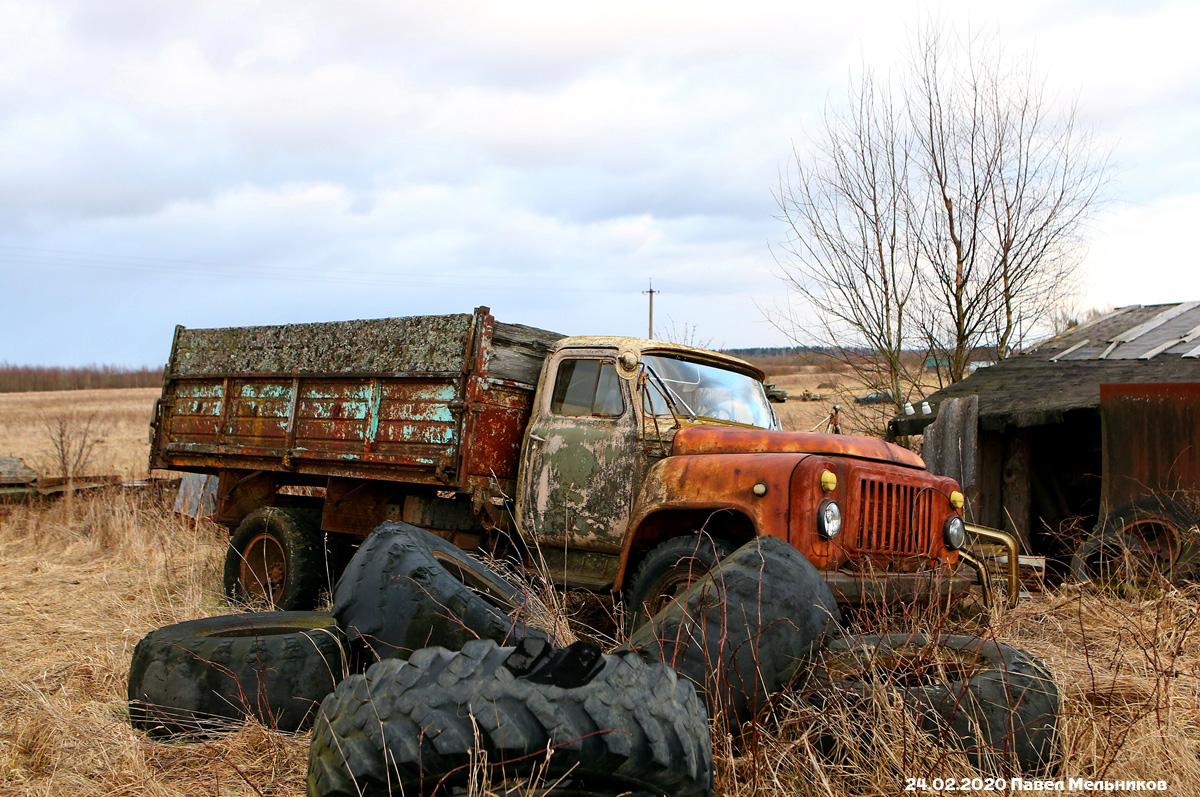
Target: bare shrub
72, 438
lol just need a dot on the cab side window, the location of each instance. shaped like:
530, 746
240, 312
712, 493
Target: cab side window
587, 388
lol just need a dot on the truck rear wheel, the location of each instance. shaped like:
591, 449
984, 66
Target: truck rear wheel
667, 572
276, 559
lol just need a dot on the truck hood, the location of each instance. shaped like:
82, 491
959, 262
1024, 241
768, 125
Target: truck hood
740, 440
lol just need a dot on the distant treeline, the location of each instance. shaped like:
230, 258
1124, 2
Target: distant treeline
778, 351
27, 378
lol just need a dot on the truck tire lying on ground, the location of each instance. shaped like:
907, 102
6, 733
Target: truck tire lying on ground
1142, 539
998, 704
205, 676
741, 632
277, 557
615, 724
408, 589
666, 573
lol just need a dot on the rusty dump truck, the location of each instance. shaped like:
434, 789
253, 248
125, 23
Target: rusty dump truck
611, 463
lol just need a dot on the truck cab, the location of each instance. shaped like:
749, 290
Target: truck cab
645, 462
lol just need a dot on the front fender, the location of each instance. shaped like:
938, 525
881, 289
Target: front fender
698, 486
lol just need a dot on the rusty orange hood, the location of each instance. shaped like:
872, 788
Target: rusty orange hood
739, 440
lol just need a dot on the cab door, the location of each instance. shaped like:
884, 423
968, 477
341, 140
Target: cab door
580, 462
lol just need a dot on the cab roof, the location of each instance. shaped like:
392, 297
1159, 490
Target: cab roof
641, 346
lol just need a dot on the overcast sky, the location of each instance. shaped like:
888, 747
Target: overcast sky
229, 163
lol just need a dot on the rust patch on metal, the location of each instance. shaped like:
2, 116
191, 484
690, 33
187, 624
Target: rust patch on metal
1151, 440
731, 440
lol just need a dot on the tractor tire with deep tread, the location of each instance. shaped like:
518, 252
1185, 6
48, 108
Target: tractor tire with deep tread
408, 589
997, 703
743, 631
203, 677
277, 558
423, 724
1151, 536
667, 571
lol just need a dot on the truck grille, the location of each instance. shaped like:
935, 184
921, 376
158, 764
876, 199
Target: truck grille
895, 518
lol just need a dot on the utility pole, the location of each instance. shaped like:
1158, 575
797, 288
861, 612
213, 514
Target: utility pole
651, 292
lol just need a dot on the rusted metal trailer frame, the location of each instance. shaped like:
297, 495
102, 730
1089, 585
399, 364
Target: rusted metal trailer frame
362, 411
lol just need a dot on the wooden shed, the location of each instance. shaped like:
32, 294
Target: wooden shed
1026, 436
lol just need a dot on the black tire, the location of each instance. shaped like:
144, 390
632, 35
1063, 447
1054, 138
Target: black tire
277, 559
205, 676
666, 573
743, 631
418, 726
1150, 537
998, 704
408, 589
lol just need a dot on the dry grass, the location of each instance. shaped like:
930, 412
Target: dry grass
81, 582
1128, 674
121, 424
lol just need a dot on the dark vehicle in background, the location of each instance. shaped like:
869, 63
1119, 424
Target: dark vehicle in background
878, 397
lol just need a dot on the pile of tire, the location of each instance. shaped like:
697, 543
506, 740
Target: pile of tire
763, 622
460, 687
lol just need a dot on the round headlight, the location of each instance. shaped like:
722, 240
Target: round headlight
954, 532
829, 519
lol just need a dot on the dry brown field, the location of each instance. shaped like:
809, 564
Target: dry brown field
82, 581
120, 423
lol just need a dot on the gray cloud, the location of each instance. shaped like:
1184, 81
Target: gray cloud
226, 163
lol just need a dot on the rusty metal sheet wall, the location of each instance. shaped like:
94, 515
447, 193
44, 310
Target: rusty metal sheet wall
416, 344
332, 415
404, 422
1151, 440
498, 434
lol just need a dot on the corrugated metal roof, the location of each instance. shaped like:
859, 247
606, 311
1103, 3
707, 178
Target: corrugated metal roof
1133, 345
1137, 332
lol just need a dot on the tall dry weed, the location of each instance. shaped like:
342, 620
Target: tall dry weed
81, 583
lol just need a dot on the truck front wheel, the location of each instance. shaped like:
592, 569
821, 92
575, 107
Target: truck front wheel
276, 559
667, 572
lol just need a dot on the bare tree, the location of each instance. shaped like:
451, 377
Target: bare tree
1006, 185
851, 250
944, 207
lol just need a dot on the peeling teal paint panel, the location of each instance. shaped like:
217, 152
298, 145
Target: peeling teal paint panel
265, 390
398, 390
376, 398
199, 390
434, 413
425, 434
335, 391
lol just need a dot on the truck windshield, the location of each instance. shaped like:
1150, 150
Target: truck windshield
703, 391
